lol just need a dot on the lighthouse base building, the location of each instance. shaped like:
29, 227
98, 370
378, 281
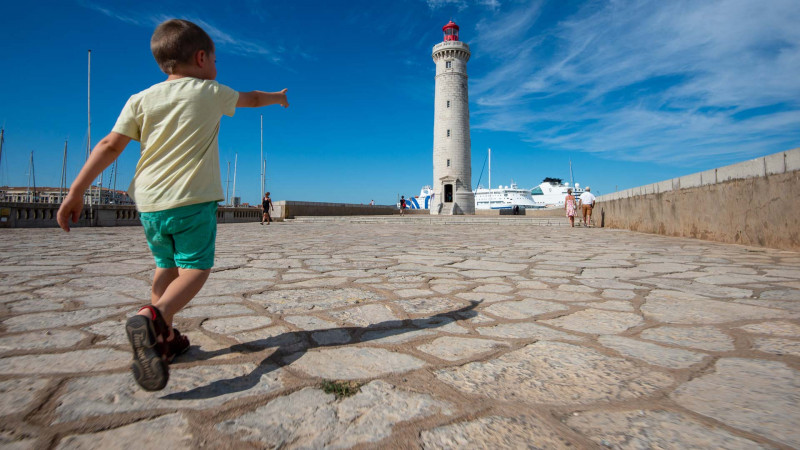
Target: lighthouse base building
452, 161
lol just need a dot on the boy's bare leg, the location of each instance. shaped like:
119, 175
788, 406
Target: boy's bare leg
181, 291
174, 288
162, 279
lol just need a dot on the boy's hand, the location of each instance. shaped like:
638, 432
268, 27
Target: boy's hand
70, 208
284, 101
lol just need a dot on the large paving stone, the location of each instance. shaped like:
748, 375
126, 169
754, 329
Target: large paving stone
70, 362
699, 337
495, 432
562, 296
523, 330
440, 324
430, 305
111, 332
484, 297
394, 336
35, 305
17, 395
490, 265
216, 287
444, 286
351, 363
680, 307
49, 320
277, 337
777, 346
651, 353
645, 429
310, 418
374, 316
170, 431
193, 388
523, 309
213, 311
41, 340
776, 328
595, 321
409, 293
708, 290
618, 294
453, 348
232, 325
246, 273
295, 301
761, 397
494, 288
316, 282
122, 284
310, 323
111, 268
556, 373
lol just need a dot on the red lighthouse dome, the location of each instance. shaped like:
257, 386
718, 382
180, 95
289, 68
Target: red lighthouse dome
450, 31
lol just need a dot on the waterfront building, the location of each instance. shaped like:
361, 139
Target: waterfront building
452, 162
53, 195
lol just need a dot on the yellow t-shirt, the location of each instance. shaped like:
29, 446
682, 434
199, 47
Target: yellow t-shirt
177, 123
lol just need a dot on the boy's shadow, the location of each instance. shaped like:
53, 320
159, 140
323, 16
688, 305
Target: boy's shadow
294, 344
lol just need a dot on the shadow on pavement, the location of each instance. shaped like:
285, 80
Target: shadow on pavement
293, 345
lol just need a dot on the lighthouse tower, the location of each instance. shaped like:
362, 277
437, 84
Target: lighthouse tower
452, 162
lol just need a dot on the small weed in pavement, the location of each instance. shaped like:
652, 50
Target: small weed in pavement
340, 388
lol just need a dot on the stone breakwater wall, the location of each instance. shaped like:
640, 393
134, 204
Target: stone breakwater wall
288, 209
755, 202
43, 215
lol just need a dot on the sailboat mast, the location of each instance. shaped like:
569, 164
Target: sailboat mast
227, 184
89, 121
31, 176
2, 133
263, 175
63, 174
571, 181
235, 161
490, 178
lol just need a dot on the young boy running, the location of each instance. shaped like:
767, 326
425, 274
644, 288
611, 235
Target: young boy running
176, 186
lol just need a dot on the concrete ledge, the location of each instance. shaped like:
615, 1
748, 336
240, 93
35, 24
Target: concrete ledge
777, 163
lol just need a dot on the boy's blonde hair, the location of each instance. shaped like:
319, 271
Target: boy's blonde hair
176, 41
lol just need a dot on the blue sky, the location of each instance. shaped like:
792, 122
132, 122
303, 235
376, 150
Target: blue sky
633, 92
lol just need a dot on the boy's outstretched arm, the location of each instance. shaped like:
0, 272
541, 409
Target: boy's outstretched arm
255, 99
104, 153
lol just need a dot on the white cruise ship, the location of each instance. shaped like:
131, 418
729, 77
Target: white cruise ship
504, 197
552, 192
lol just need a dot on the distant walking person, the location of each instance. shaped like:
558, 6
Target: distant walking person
587, 204
402, 205
266, 207
372, 203
176, 186
569, 205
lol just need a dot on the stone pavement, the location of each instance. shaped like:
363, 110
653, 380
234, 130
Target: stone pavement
454, 335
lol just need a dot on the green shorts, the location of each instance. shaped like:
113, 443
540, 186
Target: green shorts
182, 237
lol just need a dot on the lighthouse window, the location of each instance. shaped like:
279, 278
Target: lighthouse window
448, 103
448, 163
448, 133
448, 64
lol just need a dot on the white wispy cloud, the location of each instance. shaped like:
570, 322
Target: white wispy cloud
463, 4
228, 40
644, 80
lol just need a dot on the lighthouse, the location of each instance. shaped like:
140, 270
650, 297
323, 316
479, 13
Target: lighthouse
452, 161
